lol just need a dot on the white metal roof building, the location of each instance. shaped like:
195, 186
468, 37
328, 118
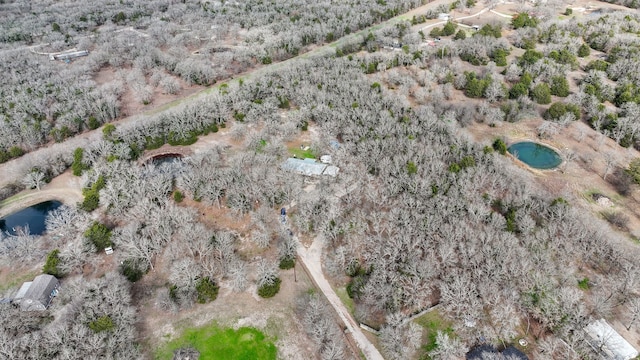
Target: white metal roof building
309, 167
608, 342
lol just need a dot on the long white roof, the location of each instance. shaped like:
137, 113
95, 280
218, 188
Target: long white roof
604, 337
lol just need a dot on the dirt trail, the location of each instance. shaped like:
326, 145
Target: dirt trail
311, 259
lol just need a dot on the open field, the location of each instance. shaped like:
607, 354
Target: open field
215, 343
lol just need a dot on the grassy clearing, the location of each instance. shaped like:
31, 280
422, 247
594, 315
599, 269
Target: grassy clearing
346, 300
13, 199
214, 342
18, 280
432, 322
302, 154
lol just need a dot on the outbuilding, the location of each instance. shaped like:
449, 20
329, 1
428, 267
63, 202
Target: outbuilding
606, 340
36, 295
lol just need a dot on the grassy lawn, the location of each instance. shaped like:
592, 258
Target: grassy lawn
431, 322
214, 342
346, 300
17, 280
302, 154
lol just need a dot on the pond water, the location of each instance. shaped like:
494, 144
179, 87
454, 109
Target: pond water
166, 159
535, 155
32, 216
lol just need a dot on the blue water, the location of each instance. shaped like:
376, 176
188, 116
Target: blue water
535, 155
32, 216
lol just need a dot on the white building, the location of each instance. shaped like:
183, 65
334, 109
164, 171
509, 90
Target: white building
608, 342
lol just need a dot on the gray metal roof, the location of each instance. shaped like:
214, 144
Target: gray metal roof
39, 294
23, 290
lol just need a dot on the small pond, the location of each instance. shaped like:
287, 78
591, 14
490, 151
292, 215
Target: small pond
166, 159
33, 216
535, 155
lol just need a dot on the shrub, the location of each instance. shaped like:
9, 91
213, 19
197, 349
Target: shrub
541, 94
467, 161
559, 86
207, 290
488, 30
499, 56
597, 65
475, 87
460, 35
108, 130
634, 170
78, 166
99, 235
92, 195
270, 290
93, 123
449, 29
454, 168
559, 109
584, 284
500, 146
51, 265
178, 196
523, 20
266, 60
132, 270
435, 32
517, 90
568, 12
583, 50
15, 151
355, 286
91, 201
287, 262
564, 57
412, 168
530, 57
103, 323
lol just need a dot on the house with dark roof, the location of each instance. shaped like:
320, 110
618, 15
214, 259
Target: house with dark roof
36, 295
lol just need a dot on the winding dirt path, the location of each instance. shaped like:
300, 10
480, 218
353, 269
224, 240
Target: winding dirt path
311, 259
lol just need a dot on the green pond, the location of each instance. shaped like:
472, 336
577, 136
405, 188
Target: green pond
535, 155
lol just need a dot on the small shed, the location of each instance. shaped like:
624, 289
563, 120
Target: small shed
607, 341
36, 295
69, 55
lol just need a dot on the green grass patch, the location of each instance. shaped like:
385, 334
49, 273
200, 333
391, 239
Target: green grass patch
302, 154
214, 343
15, 198
432, 322
584, 284
16, 281
346, 300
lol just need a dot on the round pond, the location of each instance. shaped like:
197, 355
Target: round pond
32, 216
535, 155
